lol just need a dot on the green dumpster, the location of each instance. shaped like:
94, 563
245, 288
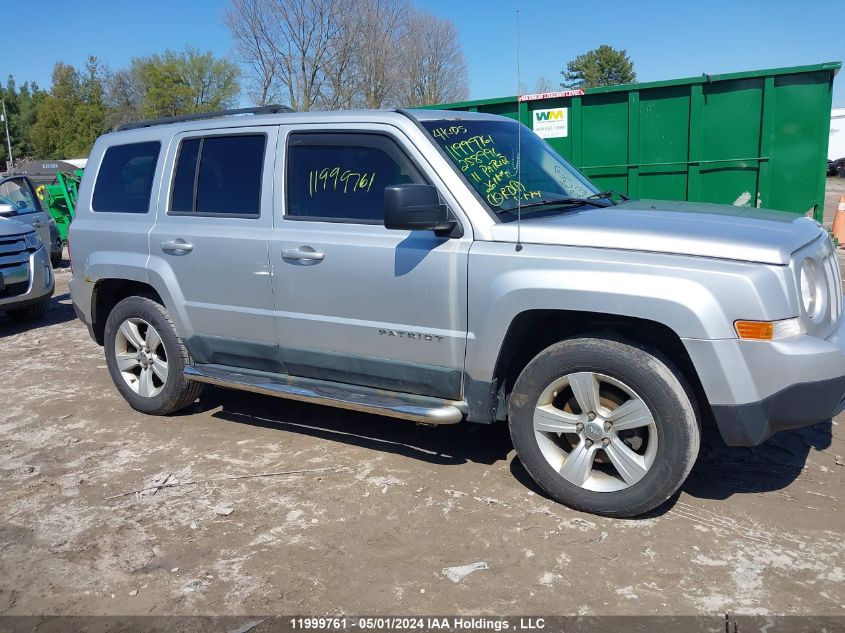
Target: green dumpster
754, 138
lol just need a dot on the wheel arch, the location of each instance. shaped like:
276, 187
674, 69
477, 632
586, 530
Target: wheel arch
532, 331
108, 293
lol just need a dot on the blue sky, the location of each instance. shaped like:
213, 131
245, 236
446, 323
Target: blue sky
666, 39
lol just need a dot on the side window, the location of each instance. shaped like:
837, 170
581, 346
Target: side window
219, 176
125, 179
341, 177
17, 193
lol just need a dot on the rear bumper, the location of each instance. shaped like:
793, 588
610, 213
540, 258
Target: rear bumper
756, 388
81, 295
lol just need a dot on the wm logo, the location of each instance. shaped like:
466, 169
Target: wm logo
549, 115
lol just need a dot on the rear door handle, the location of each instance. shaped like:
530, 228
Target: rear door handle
308, 255
177, 245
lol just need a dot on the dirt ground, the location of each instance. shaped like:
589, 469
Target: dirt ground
383, 510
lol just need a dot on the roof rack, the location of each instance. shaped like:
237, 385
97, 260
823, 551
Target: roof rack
267, 109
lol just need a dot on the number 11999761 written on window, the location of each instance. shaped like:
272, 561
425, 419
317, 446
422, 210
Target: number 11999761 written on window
343, 176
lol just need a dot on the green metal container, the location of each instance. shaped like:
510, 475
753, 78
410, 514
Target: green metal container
60, 199
755, 138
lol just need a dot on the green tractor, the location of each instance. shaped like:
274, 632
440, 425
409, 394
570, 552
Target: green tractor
59, 199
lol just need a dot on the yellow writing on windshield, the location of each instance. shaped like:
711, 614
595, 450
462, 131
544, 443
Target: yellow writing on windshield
512, 190
490, 171
445, 132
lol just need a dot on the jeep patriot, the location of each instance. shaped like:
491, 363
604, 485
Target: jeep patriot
442, 267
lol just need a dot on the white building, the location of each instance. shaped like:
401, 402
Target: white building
836, 146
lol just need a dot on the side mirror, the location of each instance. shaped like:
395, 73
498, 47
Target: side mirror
415, 207
7, 210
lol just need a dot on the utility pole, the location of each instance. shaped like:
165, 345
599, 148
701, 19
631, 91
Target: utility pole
8, 138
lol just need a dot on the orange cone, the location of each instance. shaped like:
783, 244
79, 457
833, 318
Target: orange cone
839, 222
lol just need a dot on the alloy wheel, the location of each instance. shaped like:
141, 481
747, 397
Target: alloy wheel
595, 431
141, 357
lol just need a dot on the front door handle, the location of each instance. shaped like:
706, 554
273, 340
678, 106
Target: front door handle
177, 245
307, 255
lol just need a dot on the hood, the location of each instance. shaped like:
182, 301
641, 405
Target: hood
680, 228
9, 227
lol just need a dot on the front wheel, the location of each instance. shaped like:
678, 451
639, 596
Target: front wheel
147, 359
604, 426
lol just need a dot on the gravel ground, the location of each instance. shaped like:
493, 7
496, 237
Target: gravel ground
382, 513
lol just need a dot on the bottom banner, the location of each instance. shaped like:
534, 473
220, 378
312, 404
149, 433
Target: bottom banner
460, 624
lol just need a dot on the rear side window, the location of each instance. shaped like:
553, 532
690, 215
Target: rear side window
125, 179
219, 176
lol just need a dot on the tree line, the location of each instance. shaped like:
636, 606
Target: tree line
309, 54
82, 104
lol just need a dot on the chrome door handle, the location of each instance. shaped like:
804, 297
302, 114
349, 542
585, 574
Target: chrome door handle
295, 253
180, 246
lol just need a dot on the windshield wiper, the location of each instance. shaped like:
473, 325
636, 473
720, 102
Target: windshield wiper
606, 195
561, 201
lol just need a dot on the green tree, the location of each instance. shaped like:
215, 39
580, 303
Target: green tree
187, 82
21, 105
603, 66
73, 115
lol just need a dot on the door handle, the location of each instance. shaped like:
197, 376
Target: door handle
309, 255
178, 245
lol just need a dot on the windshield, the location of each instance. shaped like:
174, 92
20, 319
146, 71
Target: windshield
485, 152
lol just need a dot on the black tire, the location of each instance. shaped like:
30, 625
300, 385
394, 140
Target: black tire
177, 392
56, 259
660, 386
30, 312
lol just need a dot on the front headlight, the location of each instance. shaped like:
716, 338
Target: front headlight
33, 242
810, 290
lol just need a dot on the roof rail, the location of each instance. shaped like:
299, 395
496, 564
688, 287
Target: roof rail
266, 109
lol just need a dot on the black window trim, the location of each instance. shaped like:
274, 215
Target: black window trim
193, 212
342, 133
158, 142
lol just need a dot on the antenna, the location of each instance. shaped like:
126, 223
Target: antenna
518, 144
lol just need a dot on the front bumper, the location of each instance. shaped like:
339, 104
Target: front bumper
800, 405
37, 274
756, 388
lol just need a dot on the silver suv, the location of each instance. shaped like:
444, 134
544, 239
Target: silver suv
440, 266
26, 235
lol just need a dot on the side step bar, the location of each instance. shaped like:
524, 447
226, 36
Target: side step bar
422, 409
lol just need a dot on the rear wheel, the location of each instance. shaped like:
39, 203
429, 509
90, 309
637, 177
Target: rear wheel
147, 359
604, 426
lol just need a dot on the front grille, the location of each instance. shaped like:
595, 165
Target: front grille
14, 266
11, 245
13, 290
833, 278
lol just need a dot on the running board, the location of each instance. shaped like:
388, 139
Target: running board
421, 409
